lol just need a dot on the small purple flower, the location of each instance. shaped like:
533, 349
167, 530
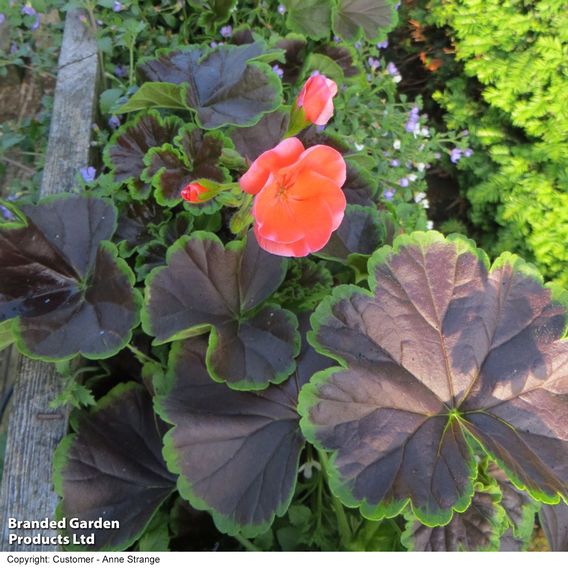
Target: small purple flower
357, 45
383, 44
397, 6
314, 73
213, 44
120, 71
468, 152
389, 193
28, 11
226, 31
281, 9
117, 7
374, 64
13, 48
2, 19
412, 125
404, 182
394, 163
455, 155
320, 127
278, 70
7, 215
88, 174
336, 39
465, 132
392, 69
114, 122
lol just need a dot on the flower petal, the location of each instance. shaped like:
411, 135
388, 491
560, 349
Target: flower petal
282, 155
316, 99
296, 249
325, 161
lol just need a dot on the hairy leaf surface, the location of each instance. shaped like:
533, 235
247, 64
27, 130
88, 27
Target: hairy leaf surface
208, 287
125, 152
112, 467
443, 357
64, 282
372, 18
236, 452
554, 520
225, 86
475, 530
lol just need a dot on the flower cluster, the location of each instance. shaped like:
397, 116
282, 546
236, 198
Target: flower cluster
298, 198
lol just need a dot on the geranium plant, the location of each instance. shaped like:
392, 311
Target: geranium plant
278, 352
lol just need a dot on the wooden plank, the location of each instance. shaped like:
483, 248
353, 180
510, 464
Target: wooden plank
35, 429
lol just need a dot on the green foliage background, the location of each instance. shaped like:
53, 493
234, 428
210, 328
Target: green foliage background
513, 99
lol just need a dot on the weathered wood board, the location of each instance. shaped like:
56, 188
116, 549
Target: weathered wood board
34, 429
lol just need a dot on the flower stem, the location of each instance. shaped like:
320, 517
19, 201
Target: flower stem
142, 357
342, 522
246, 543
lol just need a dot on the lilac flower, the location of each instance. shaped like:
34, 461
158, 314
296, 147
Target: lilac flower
2, 19
278, 70
281, 9
336, 39
455, 155
357, 45
465, 132
389, 193
120, 71
374, 64
392, 69
114, 122
226, 31
117, 7
394, 163
383, 44
397, 6
88, 174
30, 11
213, 44
394, 73
468, 152
412, 125
13, 48
7, 215
403, 182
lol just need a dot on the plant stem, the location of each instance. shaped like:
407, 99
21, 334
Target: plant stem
142, 357
342, 522
246, 543
131, 67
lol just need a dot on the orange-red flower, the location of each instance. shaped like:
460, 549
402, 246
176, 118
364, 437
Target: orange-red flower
192, 192
316, 98
299, 201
